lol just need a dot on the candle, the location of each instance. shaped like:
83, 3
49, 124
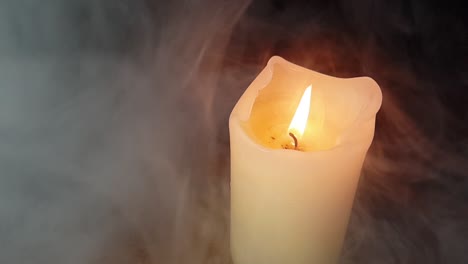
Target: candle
298, 141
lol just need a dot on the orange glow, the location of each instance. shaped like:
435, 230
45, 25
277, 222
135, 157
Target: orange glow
299, 121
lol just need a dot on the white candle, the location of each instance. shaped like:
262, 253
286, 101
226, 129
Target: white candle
298, 141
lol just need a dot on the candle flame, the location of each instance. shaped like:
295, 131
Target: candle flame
299, 121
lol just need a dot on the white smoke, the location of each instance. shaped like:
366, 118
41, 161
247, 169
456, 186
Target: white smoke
107, 148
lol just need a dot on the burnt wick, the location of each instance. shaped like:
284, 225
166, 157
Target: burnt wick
295, 140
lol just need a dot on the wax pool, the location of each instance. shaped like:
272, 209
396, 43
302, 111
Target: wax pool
292, 205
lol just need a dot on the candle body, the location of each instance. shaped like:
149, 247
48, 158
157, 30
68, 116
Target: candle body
291, 206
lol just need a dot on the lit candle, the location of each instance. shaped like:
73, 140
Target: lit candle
298, 141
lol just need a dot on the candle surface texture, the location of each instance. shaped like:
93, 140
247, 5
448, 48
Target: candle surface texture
298, 142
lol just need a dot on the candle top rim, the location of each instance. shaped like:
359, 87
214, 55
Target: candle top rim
242, 111
263, 79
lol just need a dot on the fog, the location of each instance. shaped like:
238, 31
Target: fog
113, 125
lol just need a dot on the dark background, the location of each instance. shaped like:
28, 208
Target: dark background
114, 145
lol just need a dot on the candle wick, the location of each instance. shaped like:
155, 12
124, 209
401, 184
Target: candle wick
295, 140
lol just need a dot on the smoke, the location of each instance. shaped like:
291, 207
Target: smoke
113, 124
107, 133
